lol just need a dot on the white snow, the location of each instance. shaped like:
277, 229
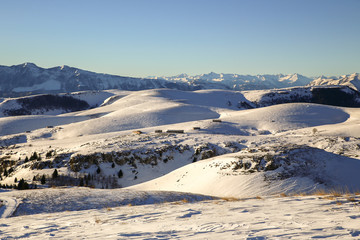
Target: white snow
96, 98
19, 124
216, 177
296, 217
294, 148
8, 206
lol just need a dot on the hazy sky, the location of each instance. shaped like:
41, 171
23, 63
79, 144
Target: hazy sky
168, 37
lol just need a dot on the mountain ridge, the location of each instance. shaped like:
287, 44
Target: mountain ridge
28, 79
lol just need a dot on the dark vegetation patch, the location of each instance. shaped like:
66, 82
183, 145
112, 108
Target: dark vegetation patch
340, 96
43, 103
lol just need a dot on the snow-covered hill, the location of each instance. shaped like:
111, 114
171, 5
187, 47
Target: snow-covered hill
262, 171
55, 104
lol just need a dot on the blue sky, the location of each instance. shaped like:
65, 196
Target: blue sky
167, 37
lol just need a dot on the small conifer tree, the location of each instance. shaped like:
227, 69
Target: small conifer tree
22, 185
55, 174
34, 156
81, 184
48, 154
43, 179
120, 173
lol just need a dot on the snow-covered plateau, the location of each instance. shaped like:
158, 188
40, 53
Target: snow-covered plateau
172, 164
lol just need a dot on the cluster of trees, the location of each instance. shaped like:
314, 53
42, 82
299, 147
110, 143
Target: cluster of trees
47, 102
97, 179
34, 156
83, 180
21, 185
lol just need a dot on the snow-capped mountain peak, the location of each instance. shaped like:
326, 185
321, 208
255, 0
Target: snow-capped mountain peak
351, 80
65, 67
29, 65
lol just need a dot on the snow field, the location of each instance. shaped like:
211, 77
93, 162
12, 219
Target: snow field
297, 217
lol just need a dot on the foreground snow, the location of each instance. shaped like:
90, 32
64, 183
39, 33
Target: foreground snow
297, 217
28, 202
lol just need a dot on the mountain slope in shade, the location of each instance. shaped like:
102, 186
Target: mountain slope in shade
352, 81
29, 78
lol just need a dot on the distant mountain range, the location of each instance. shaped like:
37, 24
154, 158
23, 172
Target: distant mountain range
27, 78
241, 82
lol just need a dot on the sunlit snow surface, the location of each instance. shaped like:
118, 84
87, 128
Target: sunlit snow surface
299, 217
314, 147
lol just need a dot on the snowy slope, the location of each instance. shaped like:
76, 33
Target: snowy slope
258, 172
296, 217
152, 108
217, 176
